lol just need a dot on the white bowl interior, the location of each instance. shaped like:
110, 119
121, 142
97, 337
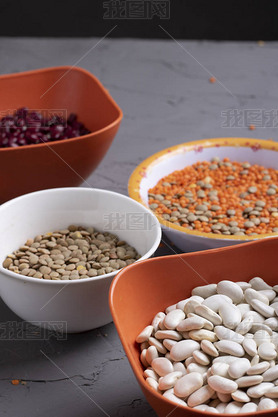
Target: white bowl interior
181, 157
46, 211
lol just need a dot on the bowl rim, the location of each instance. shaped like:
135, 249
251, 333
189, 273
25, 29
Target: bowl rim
141, 170
139, 376
83, 280
66, 68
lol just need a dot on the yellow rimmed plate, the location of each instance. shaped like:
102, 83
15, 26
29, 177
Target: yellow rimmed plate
151, 170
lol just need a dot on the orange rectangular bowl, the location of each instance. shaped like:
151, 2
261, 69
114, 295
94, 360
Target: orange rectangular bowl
62, 163
143, 289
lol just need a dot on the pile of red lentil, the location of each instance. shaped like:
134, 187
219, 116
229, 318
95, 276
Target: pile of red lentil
220, 197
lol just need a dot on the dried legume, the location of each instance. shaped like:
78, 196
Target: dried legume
219, 199
220, 369
69, 254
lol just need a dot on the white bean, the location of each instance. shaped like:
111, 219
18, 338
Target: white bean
173, 318
183, 349
191, 305
255, 360
230, 289
152, 383
249, 408
169, 380
149, 373
179, 367
267, 351
271, 374
157, 319
259, 284
270, 294
188, 384
243, 285
205, 290
221, 369
200, 396
156, 343
262, 308
207, 324
182, 303
259, 390
172, 397
145, 334
225, 398
143, 358
202, 334
209, 348
226, 359
233, 408
208, 314
201, 357
240, 396
250, 346
258, 369
238, 368
227, 334
169, 343
230, 315
189, 360
266, 404
151, 354
221, 407
272, 393
257, 318
162, 366
249, 381
250, 294
272, 322
261, 326
191, 323
216, 301
170, 308
223, 385
245, 325
230, 347
261, 336
195, 367
244, 308
168, 334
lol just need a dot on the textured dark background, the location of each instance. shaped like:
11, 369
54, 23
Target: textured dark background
189, 19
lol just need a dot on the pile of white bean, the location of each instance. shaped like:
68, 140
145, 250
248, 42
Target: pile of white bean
216, 350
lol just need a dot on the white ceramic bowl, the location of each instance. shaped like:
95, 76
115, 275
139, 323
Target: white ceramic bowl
150, 171
77, 305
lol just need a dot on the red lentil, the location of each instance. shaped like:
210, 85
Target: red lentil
221, 197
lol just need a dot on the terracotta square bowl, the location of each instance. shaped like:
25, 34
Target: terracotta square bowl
59, 163
143, 289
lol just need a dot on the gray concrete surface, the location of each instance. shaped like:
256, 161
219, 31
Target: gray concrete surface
164, 90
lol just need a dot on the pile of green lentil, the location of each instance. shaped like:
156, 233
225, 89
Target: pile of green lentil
70, 254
